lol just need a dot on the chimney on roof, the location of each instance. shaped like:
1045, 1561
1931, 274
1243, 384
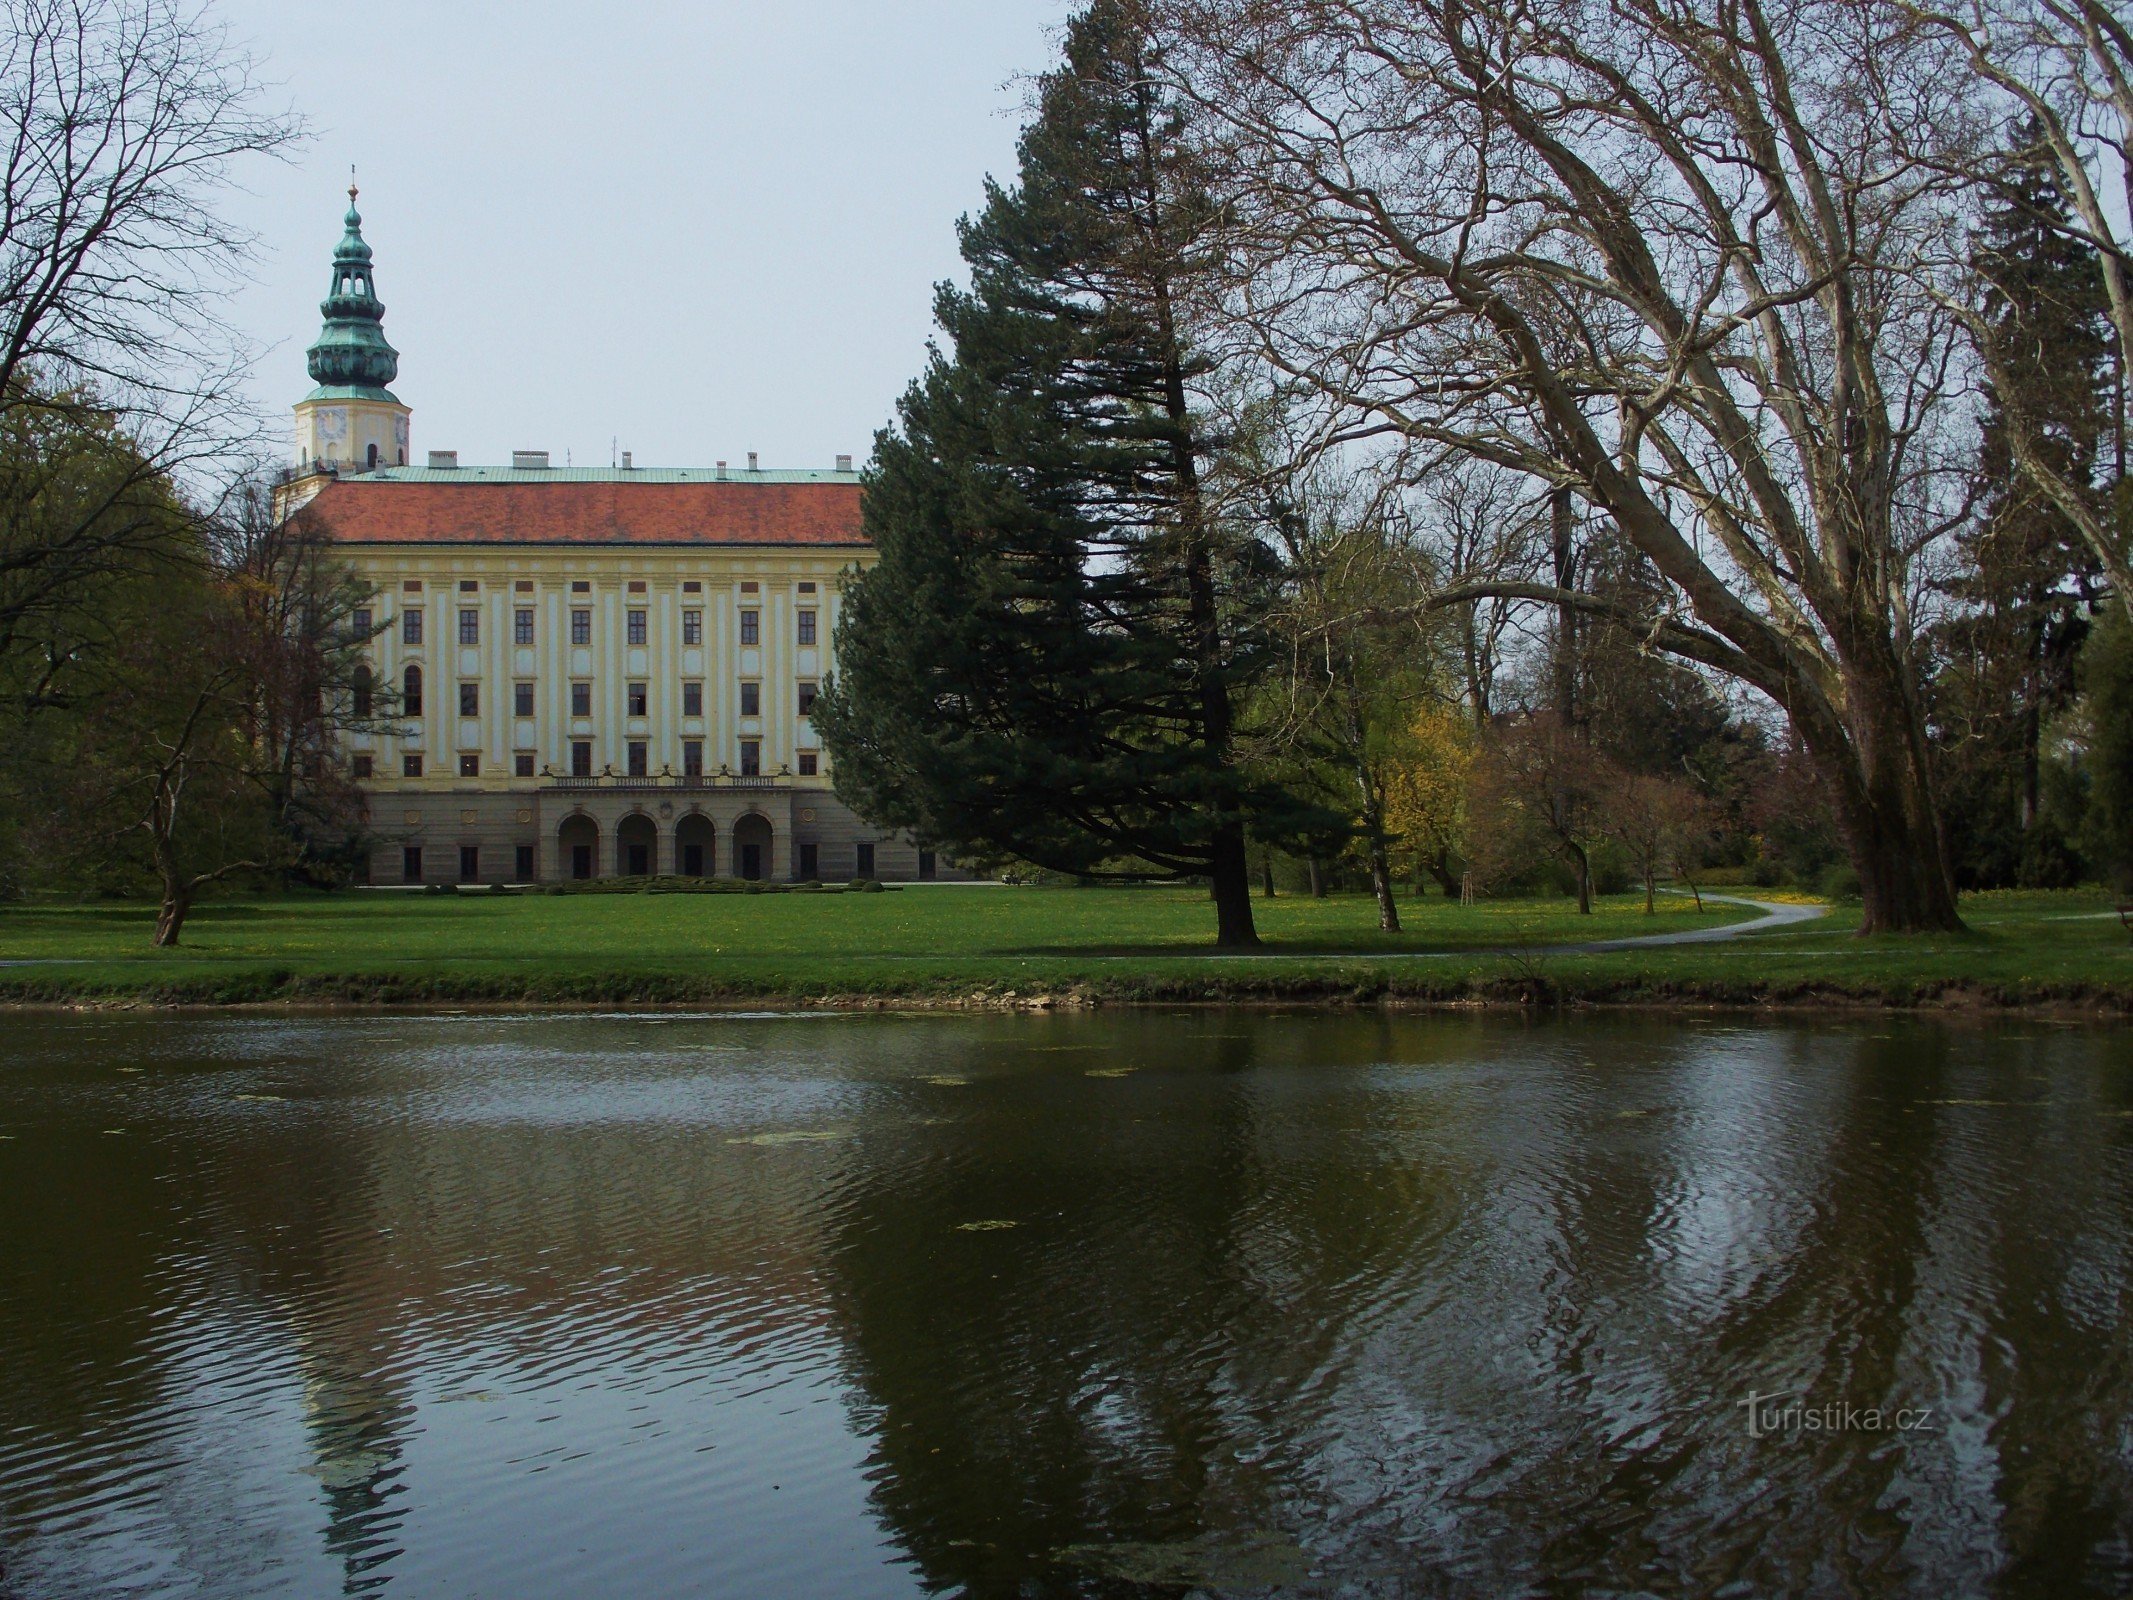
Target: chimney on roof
625, 461
844, 463
722, 471
752, 467
444, 459
523, 460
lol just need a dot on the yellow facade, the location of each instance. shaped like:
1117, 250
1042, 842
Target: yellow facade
717, 585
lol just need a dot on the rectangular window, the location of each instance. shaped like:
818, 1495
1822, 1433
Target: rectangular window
581, 699
637, 755
692, 627
411, 627
808, 693
469, 625
809, 763
522, 764
751, 626
470, 586
581, 627
863, 866
692, 758
469, 764
807, 626
359, 766
522, 699
638, 700
810, 861
636, 626
361, 623
692, 699
807, 588
470, 699
411, 864
411, 764
581, 758
522, 625
751, 699
522, 863
470, 863
580, 586
523, 586
751, 758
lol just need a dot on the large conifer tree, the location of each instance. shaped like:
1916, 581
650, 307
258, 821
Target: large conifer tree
2028, 580
1046, 660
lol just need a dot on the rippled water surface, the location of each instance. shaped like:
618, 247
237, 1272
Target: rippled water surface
1111, 1305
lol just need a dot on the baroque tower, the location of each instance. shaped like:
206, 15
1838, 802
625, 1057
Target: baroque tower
351, 422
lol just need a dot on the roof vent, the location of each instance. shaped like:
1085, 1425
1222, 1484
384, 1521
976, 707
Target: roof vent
625, 461
522, 460
752, 467
844, 463
443, 459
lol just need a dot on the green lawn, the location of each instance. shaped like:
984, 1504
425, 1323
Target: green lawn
945, 941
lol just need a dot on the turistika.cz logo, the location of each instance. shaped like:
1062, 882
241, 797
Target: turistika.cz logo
1784, 1414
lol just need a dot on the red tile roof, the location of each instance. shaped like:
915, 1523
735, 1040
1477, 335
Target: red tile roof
356, 511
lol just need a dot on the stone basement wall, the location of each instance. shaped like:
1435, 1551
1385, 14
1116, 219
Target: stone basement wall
498, 824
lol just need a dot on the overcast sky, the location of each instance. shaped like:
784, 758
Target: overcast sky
684, 230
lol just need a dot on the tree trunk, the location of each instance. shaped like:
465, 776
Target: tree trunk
1266, 868
1566, 615
170, 919
1879, 779
1440, 868
1318, 879
1231, 873
1649, 908
1583, 864
1381, 881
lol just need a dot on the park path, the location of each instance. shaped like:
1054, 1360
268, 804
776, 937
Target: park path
1775, 914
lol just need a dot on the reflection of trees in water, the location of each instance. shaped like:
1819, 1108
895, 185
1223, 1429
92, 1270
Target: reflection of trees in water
1473, 1299
1143, 1356
1493, 1324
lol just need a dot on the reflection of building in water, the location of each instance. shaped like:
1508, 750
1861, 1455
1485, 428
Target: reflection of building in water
597, 671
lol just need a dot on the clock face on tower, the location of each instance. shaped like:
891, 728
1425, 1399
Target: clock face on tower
332, 428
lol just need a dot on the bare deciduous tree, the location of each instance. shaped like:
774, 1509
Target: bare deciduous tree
1666, 255
124, 121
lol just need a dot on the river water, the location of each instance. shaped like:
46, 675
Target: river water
1122, 1304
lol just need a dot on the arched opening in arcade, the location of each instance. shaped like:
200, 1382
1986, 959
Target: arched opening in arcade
751, 847
695, 852
636, 845
578, 842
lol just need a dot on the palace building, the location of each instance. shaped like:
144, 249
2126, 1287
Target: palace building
594, 672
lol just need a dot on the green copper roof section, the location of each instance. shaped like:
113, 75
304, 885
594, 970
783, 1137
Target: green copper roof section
351, 352
351, 391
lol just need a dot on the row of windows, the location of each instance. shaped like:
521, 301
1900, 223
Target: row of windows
806, 863
637, 758
637, 695
635, 621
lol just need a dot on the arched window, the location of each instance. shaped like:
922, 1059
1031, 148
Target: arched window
411, 692
374, 458
361, 687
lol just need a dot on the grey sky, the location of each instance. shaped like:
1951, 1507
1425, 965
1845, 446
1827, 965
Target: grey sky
692, 229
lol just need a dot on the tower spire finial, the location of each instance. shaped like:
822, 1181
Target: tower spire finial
351, 183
